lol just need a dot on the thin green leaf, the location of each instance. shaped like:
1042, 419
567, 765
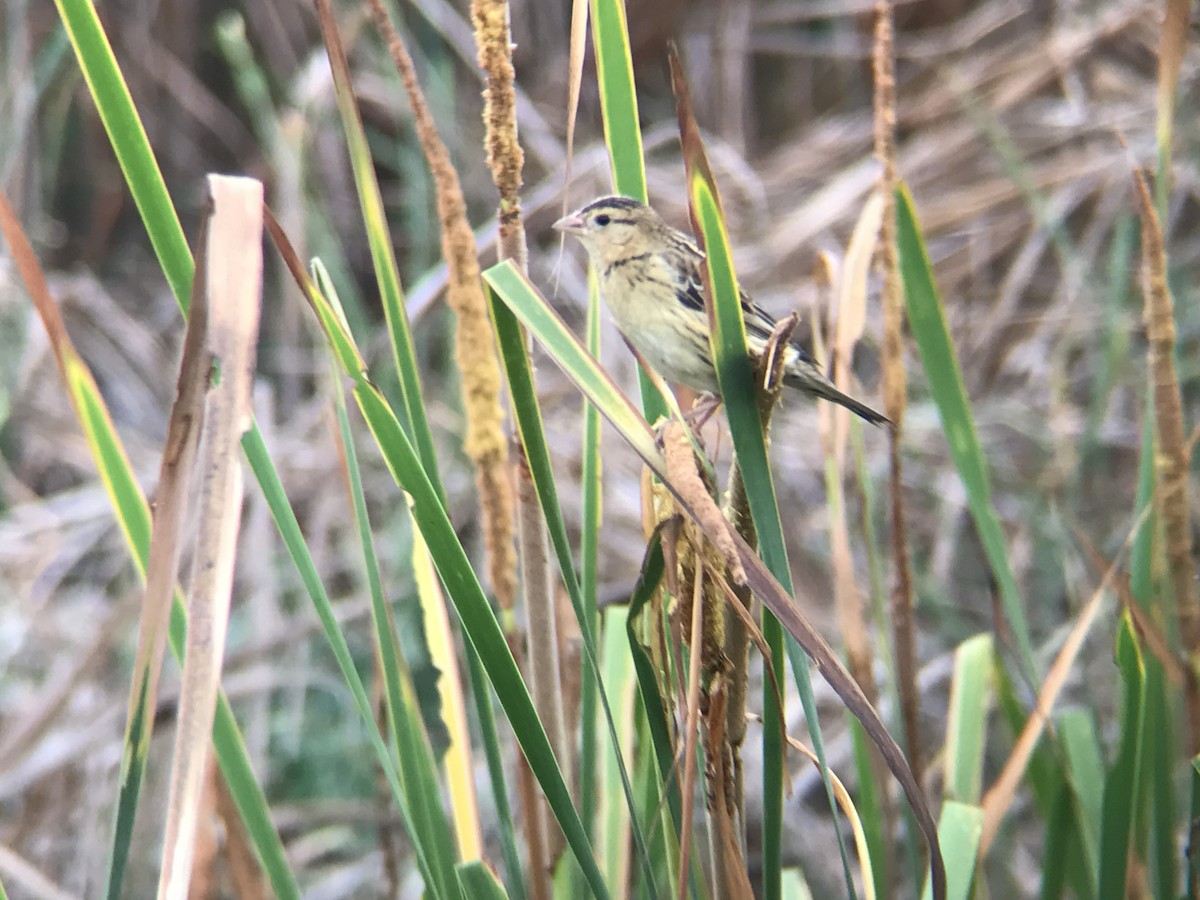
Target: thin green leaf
622, 131
944, 378
379, 240
409, 738
1121, 787
618, 97
959, 830
1085, 777
477, 880
967, 720
527, 413
129, 143
478, 621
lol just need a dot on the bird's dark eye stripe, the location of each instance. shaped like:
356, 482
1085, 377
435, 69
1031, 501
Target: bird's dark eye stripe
609, 220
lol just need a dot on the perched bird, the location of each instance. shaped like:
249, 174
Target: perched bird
649, 275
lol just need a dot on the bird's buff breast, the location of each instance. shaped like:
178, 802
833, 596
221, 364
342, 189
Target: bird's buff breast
645, 312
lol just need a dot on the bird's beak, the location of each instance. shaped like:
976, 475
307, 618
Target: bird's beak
572, 224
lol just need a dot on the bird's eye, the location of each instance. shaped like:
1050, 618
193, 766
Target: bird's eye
602, 219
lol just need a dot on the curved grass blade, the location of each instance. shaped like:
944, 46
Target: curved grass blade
478, 620
945, 381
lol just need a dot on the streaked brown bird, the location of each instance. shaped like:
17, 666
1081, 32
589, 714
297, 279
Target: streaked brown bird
649, 276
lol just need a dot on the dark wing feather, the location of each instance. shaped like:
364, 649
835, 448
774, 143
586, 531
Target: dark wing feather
759, 323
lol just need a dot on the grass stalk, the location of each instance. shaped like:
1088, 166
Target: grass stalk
1171, 448
895, 386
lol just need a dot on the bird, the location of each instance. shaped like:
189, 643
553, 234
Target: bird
648, 274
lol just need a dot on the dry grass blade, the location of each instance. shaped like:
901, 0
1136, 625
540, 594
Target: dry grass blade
681, 466
1000, 795
691, 731
233, 282
1171, 450
733, 882
1172, 46
846, 802
851, 312
784, 608
20, 872
756, 577
578, 47
184, 427
850, 318
895, 383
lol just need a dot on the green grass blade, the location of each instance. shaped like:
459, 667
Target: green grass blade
966, 725
130, 144
736, 378
959, 830
1085, 773
499, 776
527, 413
1058, 846
476, 880
942, 372
1121, 787
454, 568
870, 809
383, 256
618, 97
619, 680
478, 621
1157, 802
589, 573
1158, 741
523, 298
1193, 869
622, 131
414, 754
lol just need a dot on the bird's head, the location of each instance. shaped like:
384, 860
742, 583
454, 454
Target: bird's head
612, 228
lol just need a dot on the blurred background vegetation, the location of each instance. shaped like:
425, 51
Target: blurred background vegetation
1008, 121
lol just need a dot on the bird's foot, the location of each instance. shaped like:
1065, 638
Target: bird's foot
702, 410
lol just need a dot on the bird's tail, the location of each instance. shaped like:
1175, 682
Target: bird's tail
811, 381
